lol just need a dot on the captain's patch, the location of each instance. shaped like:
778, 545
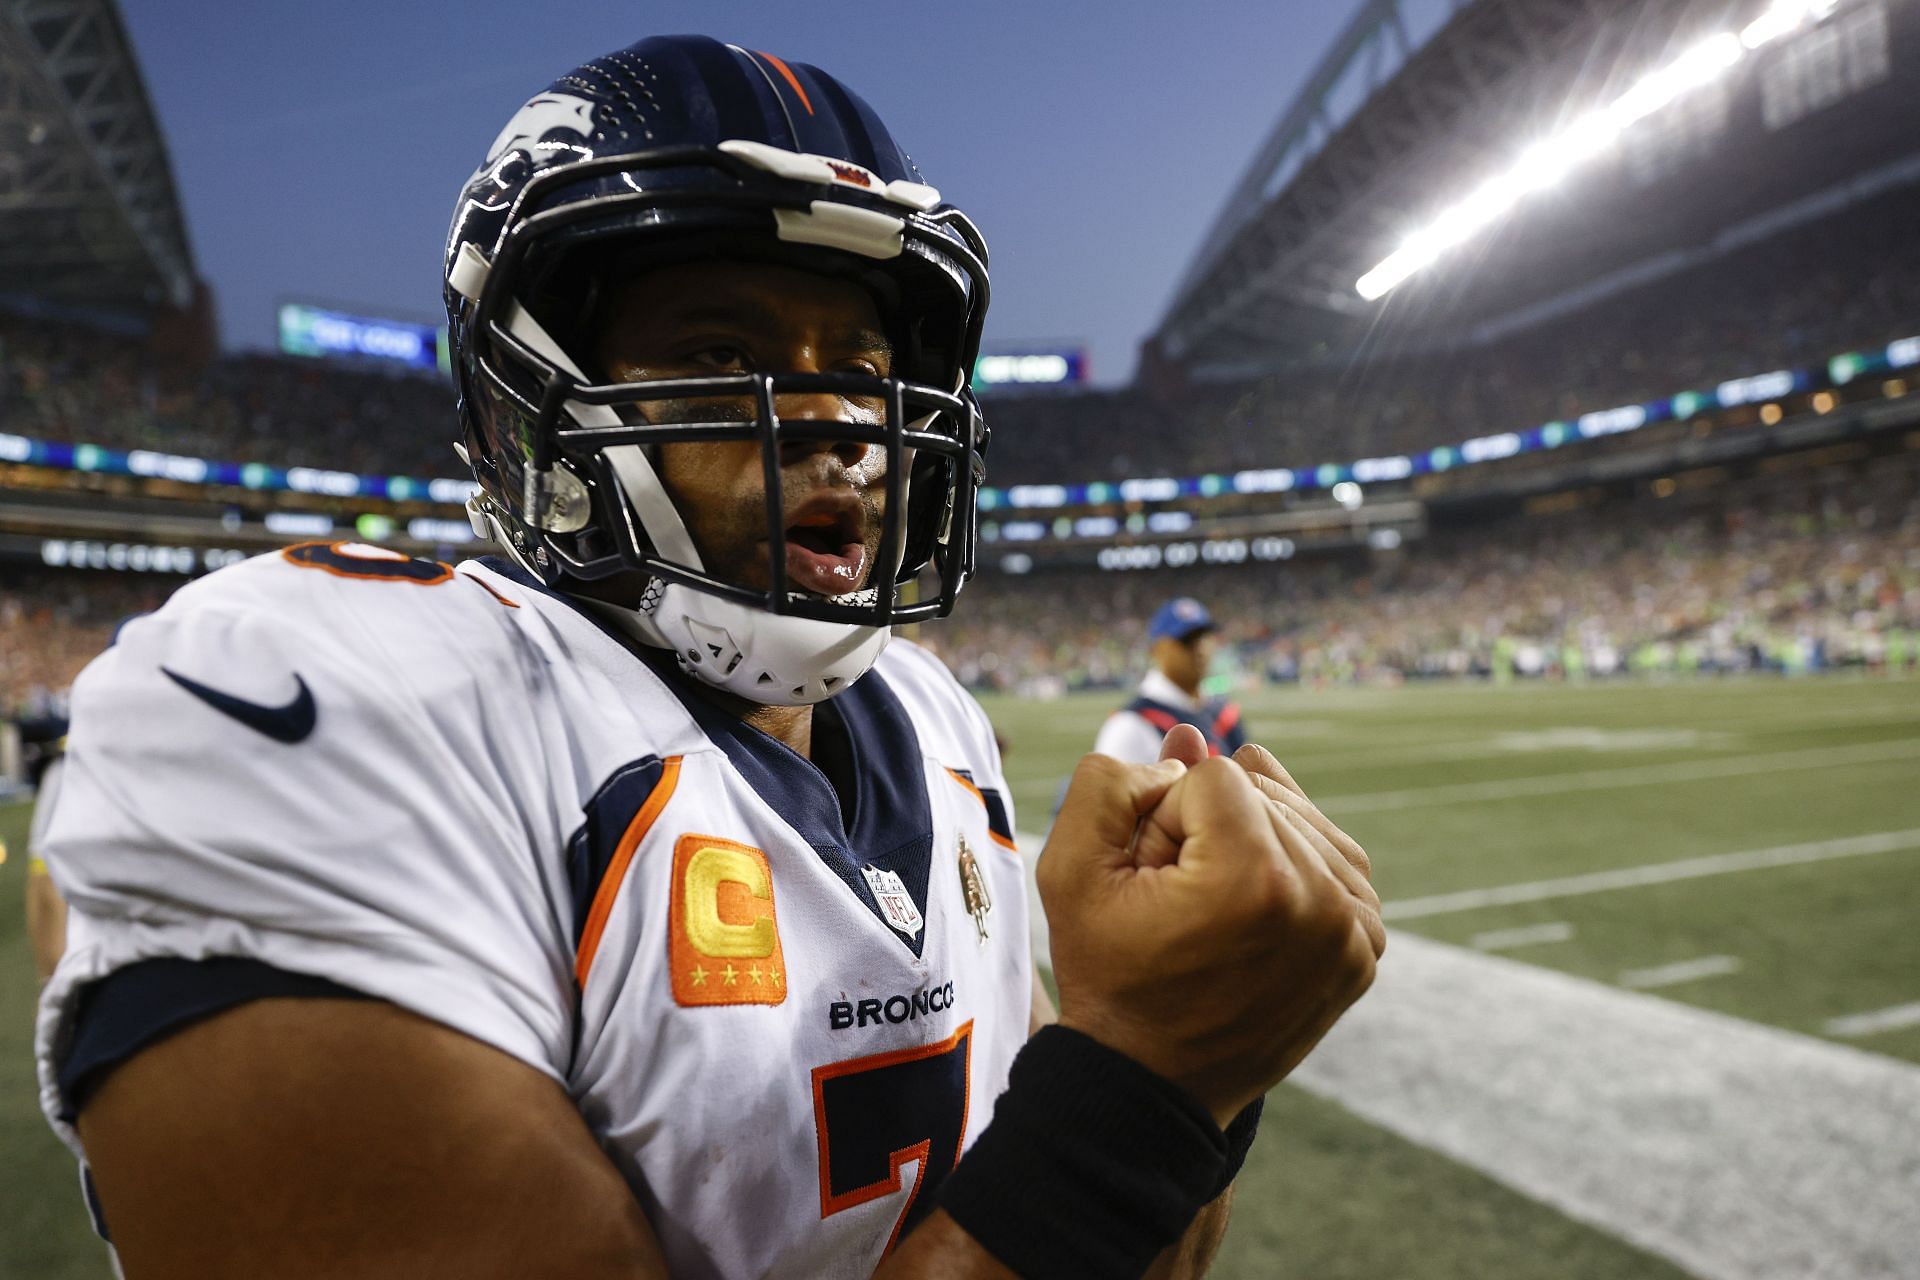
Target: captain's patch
723, 939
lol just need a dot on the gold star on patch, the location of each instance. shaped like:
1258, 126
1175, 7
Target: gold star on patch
776, 977
699, 976
729, 975
753, 974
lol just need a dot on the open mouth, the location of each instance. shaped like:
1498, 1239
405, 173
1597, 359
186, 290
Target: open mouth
827, 548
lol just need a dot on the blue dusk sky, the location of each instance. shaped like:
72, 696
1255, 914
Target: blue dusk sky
318, 147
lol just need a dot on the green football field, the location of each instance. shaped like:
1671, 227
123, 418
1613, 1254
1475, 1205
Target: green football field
1749, 847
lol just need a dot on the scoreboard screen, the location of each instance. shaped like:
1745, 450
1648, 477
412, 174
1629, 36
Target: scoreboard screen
315, 331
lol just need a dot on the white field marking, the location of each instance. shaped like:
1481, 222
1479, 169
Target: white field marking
1283, 728
1898, 1018
1588, 738
1444, 748
1671, 975
1449, 750
1737, 1151
1505, 746
1552, 784
1525, 936
1715, 864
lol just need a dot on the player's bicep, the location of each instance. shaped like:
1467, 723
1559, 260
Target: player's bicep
319, 1137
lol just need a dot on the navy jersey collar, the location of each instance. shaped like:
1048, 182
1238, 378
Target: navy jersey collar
892, 826
892, 816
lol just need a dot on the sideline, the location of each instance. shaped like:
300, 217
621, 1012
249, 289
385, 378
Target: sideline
1897, 1018
1716, 864
1737, 1151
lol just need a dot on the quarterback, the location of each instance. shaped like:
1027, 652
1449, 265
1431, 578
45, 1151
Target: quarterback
627, 904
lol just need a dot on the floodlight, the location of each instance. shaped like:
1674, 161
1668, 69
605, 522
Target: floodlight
1547, 162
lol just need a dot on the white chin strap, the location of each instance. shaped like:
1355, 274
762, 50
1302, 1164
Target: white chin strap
762, 657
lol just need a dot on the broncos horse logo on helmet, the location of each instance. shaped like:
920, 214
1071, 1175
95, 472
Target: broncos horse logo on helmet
546, 114
675, 148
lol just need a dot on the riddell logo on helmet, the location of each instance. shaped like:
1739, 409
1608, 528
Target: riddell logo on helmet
850, 173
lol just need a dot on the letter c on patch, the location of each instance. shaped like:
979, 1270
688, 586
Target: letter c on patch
708, 870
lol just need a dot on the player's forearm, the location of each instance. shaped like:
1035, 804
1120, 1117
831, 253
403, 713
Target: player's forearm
46, 921
1195, 1251
940, 1247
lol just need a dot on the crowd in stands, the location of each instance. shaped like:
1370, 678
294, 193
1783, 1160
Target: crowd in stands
1798, 571
1848, 282
1788, 573
54, 622
72, 384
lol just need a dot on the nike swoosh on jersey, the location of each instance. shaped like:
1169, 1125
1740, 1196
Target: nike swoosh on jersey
289, 723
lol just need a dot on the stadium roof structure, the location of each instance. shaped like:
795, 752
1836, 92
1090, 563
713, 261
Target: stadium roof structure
1326, 198
88, 210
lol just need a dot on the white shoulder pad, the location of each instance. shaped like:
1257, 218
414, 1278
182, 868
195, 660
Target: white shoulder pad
950, 723
329, 768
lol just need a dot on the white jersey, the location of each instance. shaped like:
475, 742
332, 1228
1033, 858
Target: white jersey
453, 790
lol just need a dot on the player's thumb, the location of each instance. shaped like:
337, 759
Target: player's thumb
1221, 820
1103, 804
1185, 744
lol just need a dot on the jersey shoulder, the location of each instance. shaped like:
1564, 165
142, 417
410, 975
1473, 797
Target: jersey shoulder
343, 583
374, 639
952, 725
386, 614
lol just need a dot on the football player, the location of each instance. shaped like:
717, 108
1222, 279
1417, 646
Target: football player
626, 905
1180, 643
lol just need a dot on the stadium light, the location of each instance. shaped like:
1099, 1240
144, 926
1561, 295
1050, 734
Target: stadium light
1546, 163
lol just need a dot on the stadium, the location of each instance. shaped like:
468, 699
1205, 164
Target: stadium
1540, 418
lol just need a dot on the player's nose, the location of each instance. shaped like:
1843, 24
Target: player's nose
823, 407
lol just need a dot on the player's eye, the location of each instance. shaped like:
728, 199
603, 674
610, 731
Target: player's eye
720, 356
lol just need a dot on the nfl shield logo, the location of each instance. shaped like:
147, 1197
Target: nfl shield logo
896, 904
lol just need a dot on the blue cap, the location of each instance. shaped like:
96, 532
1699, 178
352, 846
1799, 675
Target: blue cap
1180, 619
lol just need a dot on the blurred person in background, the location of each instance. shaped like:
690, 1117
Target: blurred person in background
45, 741
1181, 644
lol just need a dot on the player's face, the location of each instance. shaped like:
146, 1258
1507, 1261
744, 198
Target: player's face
703, 318
1185, 662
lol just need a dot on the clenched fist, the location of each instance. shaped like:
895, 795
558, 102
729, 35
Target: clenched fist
1207, 920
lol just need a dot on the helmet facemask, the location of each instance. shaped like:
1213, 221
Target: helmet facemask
576, 493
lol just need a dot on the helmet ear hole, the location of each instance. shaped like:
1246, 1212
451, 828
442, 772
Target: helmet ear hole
929, 486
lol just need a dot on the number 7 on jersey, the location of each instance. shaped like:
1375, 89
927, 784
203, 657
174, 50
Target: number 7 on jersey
872, 1115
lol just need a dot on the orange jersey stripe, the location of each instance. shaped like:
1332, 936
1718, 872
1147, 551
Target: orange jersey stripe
481, 583
786, 73
968, 783
609, 890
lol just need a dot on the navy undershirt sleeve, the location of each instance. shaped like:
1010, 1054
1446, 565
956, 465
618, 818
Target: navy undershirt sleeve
134, 1007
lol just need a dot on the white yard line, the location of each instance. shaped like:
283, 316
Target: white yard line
1553, 784
1672, 975
1717, 864
1898, 1018
1737, 1151
1525, 936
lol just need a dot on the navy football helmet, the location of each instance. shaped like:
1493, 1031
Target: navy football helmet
675, 149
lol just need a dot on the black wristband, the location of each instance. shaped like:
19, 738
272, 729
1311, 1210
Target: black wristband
1240, 1133
1092, 1165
